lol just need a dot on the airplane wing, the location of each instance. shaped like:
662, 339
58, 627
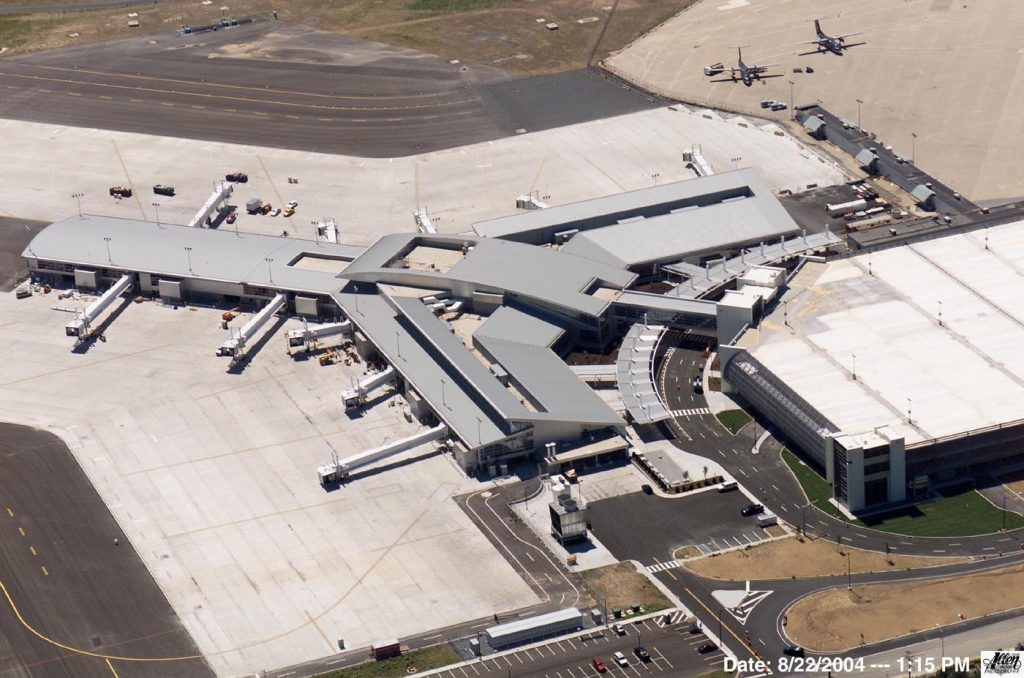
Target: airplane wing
762, 68
848, 35
815, 42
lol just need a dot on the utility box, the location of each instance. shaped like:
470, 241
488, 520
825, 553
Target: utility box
170, 290
253, 205
767, 519
386, 649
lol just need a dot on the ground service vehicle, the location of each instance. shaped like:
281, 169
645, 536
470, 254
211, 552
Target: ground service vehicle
161, 189
289, 211
120, 192
751, 510
237, 177
231, 217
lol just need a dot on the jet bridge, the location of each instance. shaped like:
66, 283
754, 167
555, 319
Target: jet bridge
81, 326
306, 335
235, 346
339, 470
357, 395
221, 191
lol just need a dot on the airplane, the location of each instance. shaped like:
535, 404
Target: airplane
829, 43
748, 73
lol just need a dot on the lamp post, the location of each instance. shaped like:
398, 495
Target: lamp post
270, 270
655, 177
156, 205
792, 114
107, 241
942, 640
803, 519
913, 148
188, 255
849, 581
735, 162
398, 343
859, 103
78, 199
854, 357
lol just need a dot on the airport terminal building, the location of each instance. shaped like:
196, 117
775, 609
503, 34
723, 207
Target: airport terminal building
474, 329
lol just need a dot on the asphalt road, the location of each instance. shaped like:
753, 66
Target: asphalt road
15, 234
307, 90
57, 8
65, 579
672, 648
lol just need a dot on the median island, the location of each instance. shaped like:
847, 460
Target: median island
839, 619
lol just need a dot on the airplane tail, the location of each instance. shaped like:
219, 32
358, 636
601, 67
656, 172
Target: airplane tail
817, 28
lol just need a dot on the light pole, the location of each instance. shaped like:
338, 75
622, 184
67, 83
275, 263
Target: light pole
188, 255
157, 206
398, 343
792, 114
655, 177
735, 162
849, 581
803, 519
107, 241
910, 419
78, 199
859, 103
270, 270
854, 357
913, 148
479, 435
942, 640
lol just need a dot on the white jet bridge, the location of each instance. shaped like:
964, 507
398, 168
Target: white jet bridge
306, 335
235, 346
81, 326
339, 470
221, 192
357, 395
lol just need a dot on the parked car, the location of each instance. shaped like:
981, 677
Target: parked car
231, 217
276, 211
698, 385
694, 627
293, 203
620, 659
619, 629
752, 510
765, 103
707, 647
642, 654
599, 665
794, 651
289, 211
647, 489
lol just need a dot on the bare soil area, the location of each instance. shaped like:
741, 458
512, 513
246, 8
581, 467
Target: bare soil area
620, 586
838, 619
787, 558
500, 33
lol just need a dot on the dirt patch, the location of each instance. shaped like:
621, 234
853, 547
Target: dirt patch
839, 619
788, 558
499, 33
619, 586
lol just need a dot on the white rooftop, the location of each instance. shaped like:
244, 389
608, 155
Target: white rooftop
965, 372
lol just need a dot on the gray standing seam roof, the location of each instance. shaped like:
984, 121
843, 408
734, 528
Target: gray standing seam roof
519, 343
455, 401
214, 255
558, 279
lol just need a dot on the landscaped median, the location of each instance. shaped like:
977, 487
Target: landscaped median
839, 619
733, 420
791, 558
960, 512
420, 660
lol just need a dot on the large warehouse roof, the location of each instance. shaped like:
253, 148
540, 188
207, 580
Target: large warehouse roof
169, 250
933, 329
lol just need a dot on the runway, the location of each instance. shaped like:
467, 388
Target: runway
291, 87
75, 599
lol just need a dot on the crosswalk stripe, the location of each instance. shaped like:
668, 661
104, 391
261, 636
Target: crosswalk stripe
692, 412
660, 567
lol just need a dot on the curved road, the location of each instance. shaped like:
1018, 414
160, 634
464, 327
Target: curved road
768, 477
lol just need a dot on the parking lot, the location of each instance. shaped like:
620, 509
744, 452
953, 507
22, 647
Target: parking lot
649, 528
672, 648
